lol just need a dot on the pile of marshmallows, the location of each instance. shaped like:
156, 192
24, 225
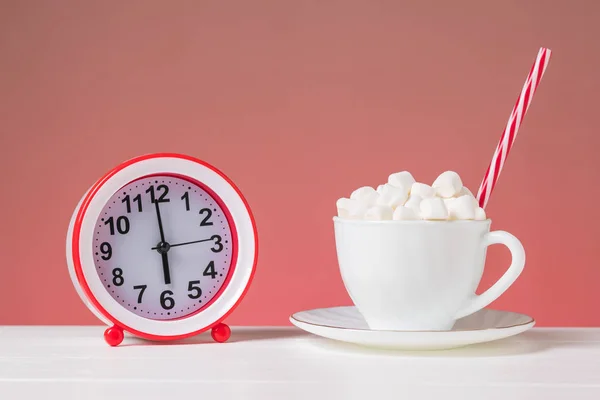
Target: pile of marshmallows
402, 198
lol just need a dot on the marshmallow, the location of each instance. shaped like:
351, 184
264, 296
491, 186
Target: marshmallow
404, 213
357, 209
390, 200
392, 196
433, 208
351, 209
379, 213
480, 214
391, 189
343, 207
414, 203
448, 184
464, 192
449, 203
463, 207
365, 194
401, 179
422, 190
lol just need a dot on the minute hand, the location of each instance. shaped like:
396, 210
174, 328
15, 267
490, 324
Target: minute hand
183, 244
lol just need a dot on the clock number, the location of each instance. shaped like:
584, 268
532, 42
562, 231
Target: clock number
151, 191
122, 225
165, 301
165, 190
186, 197
218, 244
196, 289
137, 199
106, 251
141, 288
208, 213
117, 277
161, 199
210, 270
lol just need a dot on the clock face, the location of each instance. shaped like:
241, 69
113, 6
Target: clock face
163, 247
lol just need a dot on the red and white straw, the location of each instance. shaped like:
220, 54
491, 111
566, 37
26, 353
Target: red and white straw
512, 126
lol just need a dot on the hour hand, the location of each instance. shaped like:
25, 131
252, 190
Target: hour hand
166, 271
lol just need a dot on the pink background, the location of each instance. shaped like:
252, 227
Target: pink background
300, 102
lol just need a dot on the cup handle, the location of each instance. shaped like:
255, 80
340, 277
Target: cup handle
517, 252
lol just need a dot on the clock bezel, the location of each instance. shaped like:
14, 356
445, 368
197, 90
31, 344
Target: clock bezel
242, 269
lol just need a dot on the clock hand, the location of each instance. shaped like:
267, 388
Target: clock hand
160, 227
183, 244
163, 247
166, 272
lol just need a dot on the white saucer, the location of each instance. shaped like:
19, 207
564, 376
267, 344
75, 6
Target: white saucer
347, 324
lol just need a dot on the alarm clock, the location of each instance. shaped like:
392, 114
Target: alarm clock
164, 246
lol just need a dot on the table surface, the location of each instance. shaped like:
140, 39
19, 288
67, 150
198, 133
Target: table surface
286, 363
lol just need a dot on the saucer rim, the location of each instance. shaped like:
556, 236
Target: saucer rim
531, 321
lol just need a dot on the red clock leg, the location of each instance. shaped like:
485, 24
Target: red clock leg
113, 336
220, 333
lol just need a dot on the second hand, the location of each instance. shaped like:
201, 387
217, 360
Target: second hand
182, 244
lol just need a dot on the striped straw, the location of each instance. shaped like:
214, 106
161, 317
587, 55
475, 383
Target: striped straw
512, 126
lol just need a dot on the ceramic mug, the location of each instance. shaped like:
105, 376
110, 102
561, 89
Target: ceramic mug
419, 275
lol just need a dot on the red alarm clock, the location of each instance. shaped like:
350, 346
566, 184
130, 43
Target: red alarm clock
164, 246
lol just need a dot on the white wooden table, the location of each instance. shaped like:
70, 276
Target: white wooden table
285, 363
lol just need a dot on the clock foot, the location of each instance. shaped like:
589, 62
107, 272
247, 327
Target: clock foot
113, 336
220, 333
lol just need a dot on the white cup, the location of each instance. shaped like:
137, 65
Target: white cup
419, 275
